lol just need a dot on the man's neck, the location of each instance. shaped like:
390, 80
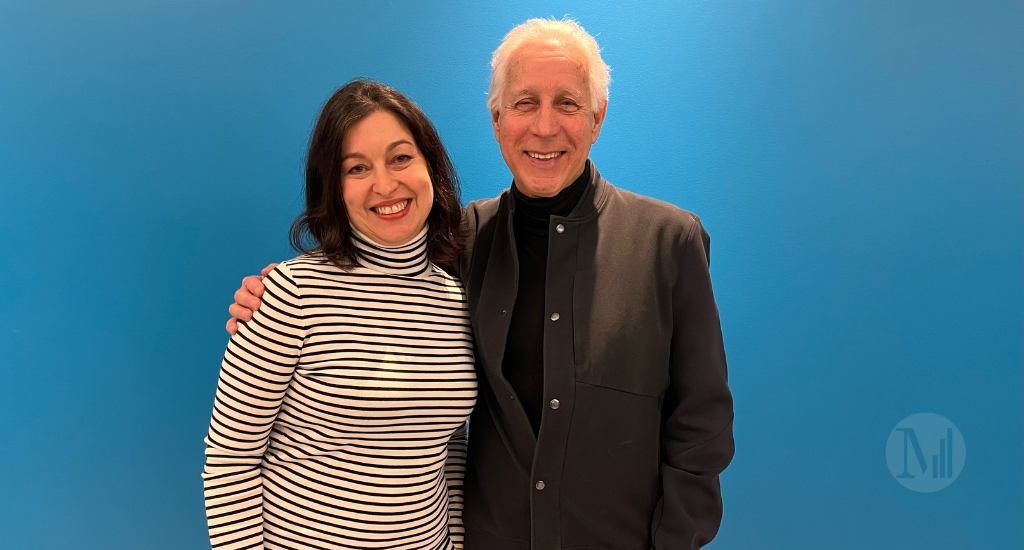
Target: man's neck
540, 208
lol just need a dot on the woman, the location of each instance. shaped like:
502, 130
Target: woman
340, 414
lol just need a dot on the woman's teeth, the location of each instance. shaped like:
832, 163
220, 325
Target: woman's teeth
544, 156
392, 209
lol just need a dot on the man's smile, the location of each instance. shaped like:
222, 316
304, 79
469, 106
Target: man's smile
544, 156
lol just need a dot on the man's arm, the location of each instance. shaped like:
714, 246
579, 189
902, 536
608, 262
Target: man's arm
697, 441
247, 299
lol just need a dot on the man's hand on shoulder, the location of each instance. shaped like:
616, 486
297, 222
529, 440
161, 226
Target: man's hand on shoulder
247, 299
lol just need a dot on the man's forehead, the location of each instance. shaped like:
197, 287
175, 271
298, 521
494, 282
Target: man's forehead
533, 67
549, 50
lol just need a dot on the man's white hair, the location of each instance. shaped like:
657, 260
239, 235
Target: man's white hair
565, 32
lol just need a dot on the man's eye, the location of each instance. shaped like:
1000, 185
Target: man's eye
570, 105
524, 104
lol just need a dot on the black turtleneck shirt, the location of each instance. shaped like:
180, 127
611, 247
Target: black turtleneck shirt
523, 363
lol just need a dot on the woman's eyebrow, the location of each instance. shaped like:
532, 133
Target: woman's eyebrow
390, 147
397, 143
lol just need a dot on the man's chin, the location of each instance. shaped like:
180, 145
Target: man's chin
537, 188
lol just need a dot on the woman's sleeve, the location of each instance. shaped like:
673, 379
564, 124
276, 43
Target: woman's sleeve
257, 368
454, 472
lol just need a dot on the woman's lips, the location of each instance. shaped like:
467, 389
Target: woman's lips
391, 210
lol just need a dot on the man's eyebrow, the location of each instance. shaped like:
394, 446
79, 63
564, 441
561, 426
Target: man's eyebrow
390, 147
514, 96
560, 92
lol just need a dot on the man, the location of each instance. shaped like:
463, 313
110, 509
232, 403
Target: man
604, 415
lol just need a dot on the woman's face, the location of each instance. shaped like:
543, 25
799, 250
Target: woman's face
385, 180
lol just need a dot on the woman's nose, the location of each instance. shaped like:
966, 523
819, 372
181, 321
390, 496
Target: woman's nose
385, 184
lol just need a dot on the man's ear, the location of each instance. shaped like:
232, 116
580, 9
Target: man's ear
494, 122
599, 120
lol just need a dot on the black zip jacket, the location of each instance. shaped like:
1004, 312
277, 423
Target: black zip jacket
637, 422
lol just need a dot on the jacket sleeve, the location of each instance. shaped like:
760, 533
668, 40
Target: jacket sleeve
697, 442
254, 376
468, 229
454, 473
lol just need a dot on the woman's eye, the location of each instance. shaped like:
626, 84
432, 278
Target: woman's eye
357, 169
400, 159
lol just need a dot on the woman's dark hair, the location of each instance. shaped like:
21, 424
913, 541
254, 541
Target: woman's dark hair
325, 220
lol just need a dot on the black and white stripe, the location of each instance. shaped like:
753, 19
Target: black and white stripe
340, 415
409, 259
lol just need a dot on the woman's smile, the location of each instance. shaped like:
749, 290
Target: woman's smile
390, 210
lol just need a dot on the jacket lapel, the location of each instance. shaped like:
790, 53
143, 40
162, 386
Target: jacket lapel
491, 319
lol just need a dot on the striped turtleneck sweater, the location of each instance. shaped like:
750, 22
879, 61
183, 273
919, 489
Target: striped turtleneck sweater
339, 420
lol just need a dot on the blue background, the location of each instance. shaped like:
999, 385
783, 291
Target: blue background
859, 165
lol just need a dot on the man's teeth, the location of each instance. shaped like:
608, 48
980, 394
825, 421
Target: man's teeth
544, 156
394, 208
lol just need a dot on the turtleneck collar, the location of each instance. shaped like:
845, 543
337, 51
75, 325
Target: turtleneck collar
409, 259
535, 212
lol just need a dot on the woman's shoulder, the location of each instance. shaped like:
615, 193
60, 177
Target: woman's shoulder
437, 272
449, 285
307, 269
310, 260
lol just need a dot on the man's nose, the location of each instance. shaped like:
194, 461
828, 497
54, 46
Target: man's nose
546, 123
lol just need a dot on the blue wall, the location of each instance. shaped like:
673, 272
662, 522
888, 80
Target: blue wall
860, 166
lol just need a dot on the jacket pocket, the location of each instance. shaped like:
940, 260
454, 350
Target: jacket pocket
610, 483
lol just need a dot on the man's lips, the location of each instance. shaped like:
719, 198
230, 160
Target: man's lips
544, 155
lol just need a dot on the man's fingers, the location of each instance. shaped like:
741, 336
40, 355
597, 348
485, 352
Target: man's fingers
239, 312
243, 297
255, 288
246, 300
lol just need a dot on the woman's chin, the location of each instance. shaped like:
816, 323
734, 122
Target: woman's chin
394, 236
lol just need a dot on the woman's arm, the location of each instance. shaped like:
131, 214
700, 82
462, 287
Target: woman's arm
454, 473
254, 376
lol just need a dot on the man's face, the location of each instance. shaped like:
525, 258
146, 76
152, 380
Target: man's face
546, 123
